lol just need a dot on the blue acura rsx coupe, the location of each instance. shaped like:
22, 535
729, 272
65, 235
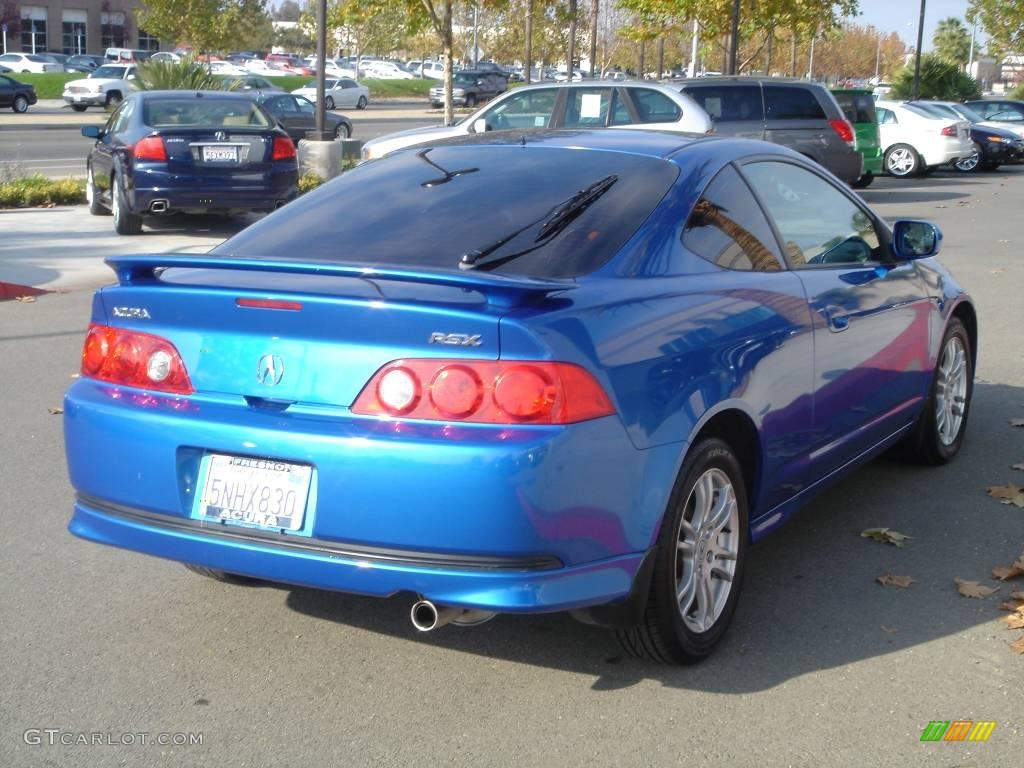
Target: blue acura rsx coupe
574, 371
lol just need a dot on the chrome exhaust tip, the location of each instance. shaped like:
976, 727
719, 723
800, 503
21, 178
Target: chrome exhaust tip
158, 206
427, 617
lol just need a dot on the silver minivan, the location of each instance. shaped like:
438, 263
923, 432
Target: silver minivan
797, 114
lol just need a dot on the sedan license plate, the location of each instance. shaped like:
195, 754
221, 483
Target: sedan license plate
220, 154
263, 493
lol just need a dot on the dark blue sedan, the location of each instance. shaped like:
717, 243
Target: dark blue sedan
165, 152
573, 371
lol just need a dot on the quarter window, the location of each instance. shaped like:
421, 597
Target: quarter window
587, 107
728, 228
655, 107
782, 102
819, 224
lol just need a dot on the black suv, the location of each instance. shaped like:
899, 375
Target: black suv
470, 87
797, 114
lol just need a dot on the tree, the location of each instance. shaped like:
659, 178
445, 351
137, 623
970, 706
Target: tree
1003, 22
289, 10
952, 41
939, 80
293, 39
207, 25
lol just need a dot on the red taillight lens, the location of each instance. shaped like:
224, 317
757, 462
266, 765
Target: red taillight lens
844, 129
134, 359
484, 391
949, 130
151, 148
284, 149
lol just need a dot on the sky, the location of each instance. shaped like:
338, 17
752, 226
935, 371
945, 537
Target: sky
901, 16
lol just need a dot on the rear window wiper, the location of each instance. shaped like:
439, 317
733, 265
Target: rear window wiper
551, 224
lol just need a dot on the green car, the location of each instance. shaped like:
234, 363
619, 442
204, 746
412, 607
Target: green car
859, 108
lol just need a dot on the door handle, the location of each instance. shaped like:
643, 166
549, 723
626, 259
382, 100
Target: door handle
836, 317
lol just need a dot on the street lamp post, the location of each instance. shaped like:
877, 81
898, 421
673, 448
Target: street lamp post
917, 53
734, 37
321, 69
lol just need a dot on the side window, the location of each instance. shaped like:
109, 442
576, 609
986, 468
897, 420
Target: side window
531, 109
819, 224
885, 116
728, 228
620, 112
347, 83
587, 107
730, 103
305, 107
655, 107
787, 102
119, 120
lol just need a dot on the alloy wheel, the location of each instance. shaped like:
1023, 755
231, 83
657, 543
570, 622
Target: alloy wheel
951, 391
901, 161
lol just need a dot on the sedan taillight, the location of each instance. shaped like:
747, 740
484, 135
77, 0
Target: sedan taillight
134, 359
151, 148
484, 391
949, 130
284, 149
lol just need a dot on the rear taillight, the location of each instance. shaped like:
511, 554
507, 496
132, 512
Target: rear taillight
844, 129
284, 149
949, 130
134, 359
151, 148
484, 391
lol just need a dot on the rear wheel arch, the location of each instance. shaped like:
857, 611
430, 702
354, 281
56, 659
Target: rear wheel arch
737, 429
964, 312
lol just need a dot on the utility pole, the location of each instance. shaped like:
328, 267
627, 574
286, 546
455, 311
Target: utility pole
878, 57
974, 34
694, 44
321, 69
570, 67
734, 37
661, 58
810, 63
528, 54
917, 53
594, 11
476, 48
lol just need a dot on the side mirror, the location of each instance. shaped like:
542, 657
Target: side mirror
915, 239
91, 131
480, 125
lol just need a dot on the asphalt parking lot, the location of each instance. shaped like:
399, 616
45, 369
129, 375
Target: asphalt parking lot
822, 666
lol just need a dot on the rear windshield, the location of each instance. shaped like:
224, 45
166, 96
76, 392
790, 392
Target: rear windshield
857, 107
428, 207
202, 112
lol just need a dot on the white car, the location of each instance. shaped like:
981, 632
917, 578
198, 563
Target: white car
881, 90
106, 86
585, 105
563, 76
260, 67
29, 62
333, 69
432, 69
165, 56
385, 70
338, 94
226, 68
914, 140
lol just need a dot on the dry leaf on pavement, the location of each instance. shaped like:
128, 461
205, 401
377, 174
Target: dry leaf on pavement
1007, 494
1011, 605
973, 588
884, 535
889, 580
55, 411
1018, 645
1013, 621
25, 299
1017, 595
1004, 572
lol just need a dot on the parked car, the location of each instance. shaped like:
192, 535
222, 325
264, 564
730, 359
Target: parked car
859, 108
1009, 114
471, 87
565, 105
17, 96
83, 63
252, 84
975, 117
168, 56
261, 68
993, 146
57, 58
881, 90
106, 86
915, 141
167, 152
432, 69
126, 55
226, 68
384, 70
338, 367
297, 115
798, 114
27, 63
338, 94
563, 76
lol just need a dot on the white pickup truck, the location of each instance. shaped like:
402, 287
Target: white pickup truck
107, 86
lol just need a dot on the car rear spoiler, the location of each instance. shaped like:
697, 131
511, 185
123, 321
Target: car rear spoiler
499, 290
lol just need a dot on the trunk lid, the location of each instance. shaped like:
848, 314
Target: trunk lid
218, 152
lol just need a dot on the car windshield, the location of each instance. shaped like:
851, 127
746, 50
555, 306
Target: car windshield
447, 201
967, 113
114, 73
464, 78
203, 112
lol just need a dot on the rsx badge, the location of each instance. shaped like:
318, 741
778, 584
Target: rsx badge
456, 339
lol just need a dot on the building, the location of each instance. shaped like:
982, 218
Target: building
72, 26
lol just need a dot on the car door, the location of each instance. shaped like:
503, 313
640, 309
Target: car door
532, 108
109, 142
6, 91
871, 313
285, 110
587, 107
735, 109
348, 93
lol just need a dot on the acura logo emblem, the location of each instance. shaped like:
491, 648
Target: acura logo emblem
269, 370
220, 136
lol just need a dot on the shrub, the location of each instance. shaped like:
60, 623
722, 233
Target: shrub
37, 191
939, 80
309, 182
1018, 93
184, 75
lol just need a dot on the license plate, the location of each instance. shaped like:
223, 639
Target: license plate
77, 98
263, 493
220, 154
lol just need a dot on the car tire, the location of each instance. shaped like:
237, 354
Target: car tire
328, 102
939, 430
361, 104
692, 600
342, 131
902, 161
92, 196
218, 575
470, 101
114, 100
864, 181
972, 163
20, 104
990, 166
125, 222
79, 107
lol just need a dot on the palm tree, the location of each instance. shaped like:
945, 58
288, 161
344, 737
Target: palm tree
952, 41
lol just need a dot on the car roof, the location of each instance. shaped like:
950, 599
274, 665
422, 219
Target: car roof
712, 79
155, 95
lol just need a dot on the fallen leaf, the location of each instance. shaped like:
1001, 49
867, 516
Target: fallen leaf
1017, 595
1018, 645
1004, 572
1007, 494
973, 589
890, 630
1013, 621
884, 535
889, 580
55, 411
1017, 422
1011, 605
25, 299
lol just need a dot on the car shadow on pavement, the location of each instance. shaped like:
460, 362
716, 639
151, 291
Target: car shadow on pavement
210, 225
910, 195
811, 600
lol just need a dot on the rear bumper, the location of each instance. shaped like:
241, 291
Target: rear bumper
848, 166
944, 152
194, 194
872, 160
